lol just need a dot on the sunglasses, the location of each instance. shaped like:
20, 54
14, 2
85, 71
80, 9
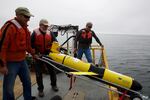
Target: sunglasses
27, 17
89, 26
45, 25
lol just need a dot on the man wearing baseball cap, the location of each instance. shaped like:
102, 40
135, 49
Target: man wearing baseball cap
15, 42
41, 41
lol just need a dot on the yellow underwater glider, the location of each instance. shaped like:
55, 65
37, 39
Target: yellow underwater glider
78, 67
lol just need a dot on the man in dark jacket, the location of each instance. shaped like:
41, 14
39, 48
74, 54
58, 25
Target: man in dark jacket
41, 40
84, 40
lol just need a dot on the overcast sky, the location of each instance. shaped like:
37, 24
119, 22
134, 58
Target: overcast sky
108, 16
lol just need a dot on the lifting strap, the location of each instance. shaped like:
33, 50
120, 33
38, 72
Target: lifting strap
123, 95
13, 22
1, 41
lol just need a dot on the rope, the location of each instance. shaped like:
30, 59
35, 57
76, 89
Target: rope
72, 81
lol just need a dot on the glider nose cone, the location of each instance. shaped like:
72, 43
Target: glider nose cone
136, 86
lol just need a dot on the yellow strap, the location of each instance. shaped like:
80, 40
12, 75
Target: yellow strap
83, 73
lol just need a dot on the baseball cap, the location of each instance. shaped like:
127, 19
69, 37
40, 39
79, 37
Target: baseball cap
44, 22
89, 24
23, 11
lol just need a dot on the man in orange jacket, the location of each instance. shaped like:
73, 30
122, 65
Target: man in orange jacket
15, 42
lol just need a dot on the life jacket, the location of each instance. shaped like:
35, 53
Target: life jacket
17, 41
0, 32
42, 41
19, 37
0, 39
85, 37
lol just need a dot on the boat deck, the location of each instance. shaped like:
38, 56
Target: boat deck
91, 91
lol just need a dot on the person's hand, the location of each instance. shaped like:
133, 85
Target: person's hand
102, 46
33, 51
4, 70
35, 56
59, 48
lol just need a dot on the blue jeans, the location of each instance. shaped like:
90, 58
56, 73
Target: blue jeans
21, 69
87, 53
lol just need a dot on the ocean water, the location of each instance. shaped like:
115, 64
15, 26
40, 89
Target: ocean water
129, 55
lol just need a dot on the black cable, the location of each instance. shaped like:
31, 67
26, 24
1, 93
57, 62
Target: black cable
68, 39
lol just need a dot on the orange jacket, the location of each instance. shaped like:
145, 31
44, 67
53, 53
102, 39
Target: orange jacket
16, 42
42, 41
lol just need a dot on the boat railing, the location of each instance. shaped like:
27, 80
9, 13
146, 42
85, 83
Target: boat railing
99, 56
100, 53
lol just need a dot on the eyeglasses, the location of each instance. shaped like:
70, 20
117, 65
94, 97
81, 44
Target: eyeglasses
89, 26
27, 17
45, 25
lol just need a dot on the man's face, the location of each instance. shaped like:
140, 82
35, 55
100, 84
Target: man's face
23, 19
43, 27
88, 27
